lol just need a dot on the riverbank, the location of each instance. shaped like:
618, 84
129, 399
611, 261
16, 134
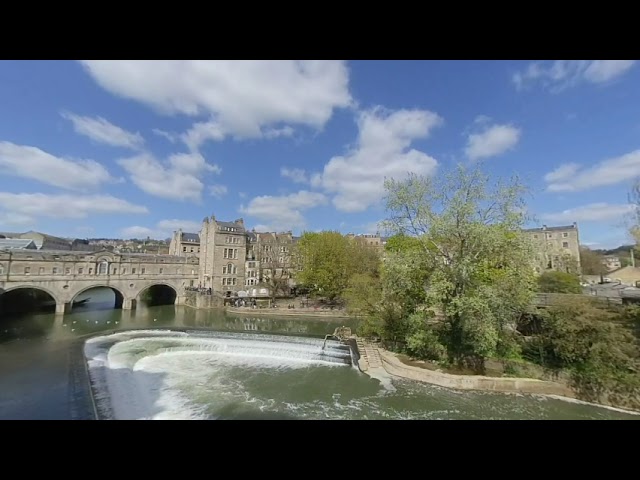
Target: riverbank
374, 360
288, 312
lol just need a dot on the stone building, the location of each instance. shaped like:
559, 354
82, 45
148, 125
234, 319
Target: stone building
555, 248
184, 244
270, 261
223, 253
612, 262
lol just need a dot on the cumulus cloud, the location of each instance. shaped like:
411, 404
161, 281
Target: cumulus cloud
493, 140
594, 212
218, 191
103, 131
562, 74
24, 208
382, 151
163, 229
283, 212
35, 164
244, 99
573, 177
296, 175
176, 179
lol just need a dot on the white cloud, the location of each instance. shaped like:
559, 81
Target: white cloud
562, 74
572, 177
177, 179
242, 194
173, 225
26, 207
382, 151
493, 141
163, 229
33, 163
218, 191
138, 232
283, 212
594, 212
296, 175
172, 137
103, 131
245, 99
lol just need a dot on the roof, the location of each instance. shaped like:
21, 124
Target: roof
239, 228
15, 243
544, 228
45, 236
191, 237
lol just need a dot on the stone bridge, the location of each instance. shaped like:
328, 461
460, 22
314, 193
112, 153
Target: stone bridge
65, 275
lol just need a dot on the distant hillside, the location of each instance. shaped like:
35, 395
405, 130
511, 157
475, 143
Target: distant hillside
622, 250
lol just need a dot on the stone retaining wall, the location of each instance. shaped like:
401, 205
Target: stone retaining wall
394, 366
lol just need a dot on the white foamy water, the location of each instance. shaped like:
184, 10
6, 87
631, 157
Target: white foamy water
143, 374
215, 375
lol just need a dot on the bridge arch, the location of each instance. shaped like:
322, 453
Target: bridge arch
120, 297
54, 300
165, 292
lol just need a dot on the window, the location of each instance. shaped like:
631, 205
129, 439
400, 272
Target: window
80, 271
55, 270
191, 249
123, 270
1, 269
549, 235
103, 268
161, 271
184, 249
41, 271
67, 271
233, 280
565, 235
535, 237
143, 270
565, 244
115, 271
193, 272
224, 281
133, 270
27, 270
90, 271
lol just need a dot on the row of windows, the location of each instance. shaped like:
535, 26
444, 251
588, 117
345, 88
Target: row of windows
231, 253
232, 240
229, 281
229, 229
101, 271
229, 269
184, 249
251, 281
550, 235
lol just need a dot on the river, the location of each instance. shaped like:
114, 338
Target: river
169, 362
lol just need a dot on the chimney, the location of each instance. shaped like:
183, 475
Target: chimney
240, 221
544, 227
633, 259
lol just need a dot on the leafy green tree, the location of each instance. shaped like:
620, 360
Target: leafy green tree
328, 261
477, 263
591, 262
594, 345
559, 282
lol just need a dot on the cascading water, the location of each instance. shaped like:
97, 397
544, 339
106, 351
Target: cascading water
119, 363
161, 374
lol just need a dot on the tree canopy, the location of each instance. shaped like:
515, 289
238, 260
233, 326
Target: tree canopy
559, 282
464, 238
329, 260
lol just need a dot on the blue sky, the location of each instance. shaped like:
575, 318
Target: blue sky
135, 148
